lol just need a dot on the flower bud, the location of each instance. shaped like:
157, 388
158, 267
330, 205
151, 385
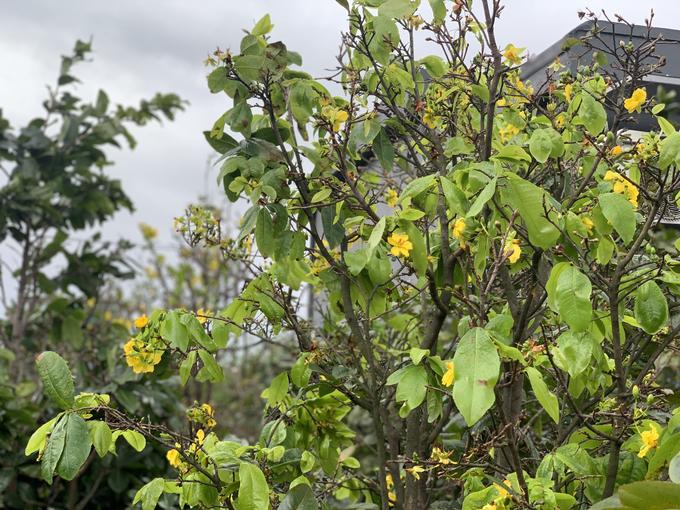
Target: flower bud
650, 399
636, 392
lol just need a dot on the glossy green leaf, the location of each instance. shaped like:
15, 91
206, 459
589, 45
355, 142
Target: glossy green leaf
577, 349
37, 440
300, 497
651, 308
411, 388
486, 194
546, 398
619, 212
670, 151
150, 493
674, 469
650, 495
593, 114
175, 332
278, 389
476, 370
439, 10
418, 255
416, 187
56, 378
573, 299
53, 450
532, 203
216, 373
253, 492
397, 8
375, 237
135, 439
540, 145
262, 27
187, 365
101, 437
384, 150
218, 79
264, 233
76, 447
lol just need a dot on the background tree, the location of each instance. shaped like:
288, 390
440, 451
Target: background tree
493, 304
55, 189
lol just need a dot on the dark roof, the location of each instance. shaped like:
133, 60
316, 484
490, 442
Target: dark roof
669, 76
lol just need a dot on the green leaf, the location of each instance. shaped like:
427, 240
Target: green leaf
532, 202
322, 195
216, 373
418, 254
263, 27
300, 497
454, 196
651, 308
593, 114
376, 237
570, 43
53, 450
37, 440
135, 439
355, 260
220, 333
384, 150
411, 388
300, 372
218, 79
662, 456
665, 126
397, 8
543, 394
541, 145
253, 492
101, 437
250, 66
307, 461
485, 195
186, 366
175, 332
573, 299
674, 469
417, 354
513, 154
416, 187
481, 92
476, 369
224, 144
76, 447
278, 389
439, 11
150, 493
650, 495
264, 233
619, 212
56, 378
670, 151
249, 221
578, 349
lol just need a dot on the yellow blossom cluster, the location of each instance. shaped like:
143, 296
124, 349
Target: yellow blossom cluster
140, 356
508, 133
148, 232
203, 414
447, 378
391, 197
623, 187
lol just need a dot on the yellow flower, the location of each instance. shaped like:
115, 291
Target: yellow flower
459, 228
107, 316
129, 346
335, 115
616, 150
635, 101
447, 378
389, 481
440, 456
501, 102
400, 244
198, 314
588, 223
148, 232
503, 488
200, 436
490, 506
415, 471
430, 119
142, 321
567, 92
508, 132
512, 54
176, 222
649, 440
623, 187
556, 66
174, 458
391, 197
513, 250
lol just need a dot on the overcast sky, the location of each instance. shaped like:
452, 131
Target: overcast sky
150, 46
